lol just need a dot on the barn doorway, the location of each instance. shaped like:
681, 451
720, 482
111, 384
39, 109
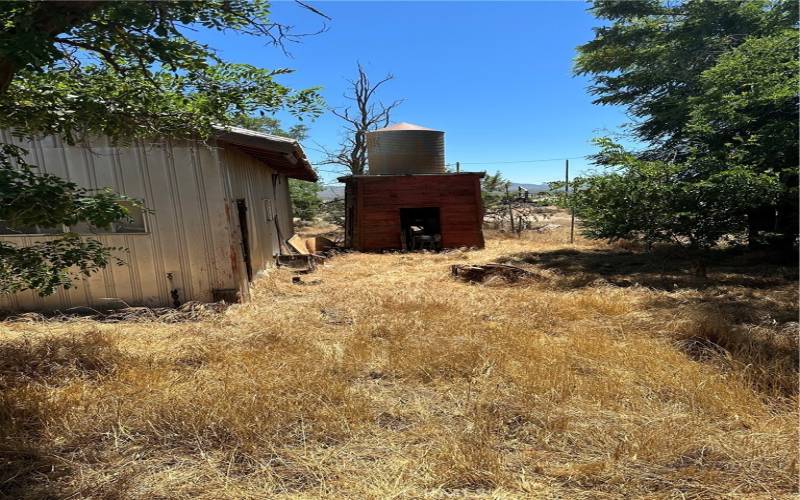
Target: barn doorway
241, 208
421, 228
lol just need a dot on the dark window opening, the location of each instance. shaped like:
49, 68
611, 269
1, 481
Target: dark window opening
8, 230
134, 223
421, 228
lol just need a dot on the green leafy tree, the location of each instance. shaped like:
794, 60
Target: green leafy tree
747, 115
306, 202
493, 191
125, 70
332, 212
655, 201
652, 54
712, 87
271, 125
501, 207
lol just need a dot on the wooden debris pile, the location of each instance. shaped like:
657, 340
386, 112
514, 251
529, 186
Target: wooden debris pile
305, 254
479, 273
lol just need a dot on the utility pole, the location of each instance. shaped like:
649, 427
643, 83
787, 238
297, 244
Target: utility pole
571, 208
458, 167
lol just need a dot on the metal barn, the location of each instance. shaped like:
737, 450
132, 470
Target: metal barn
218, 212
409, 201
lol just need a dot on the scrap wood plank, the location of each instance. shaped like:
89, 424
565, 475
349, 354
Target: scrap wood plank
478, 273
317, 244
297, 243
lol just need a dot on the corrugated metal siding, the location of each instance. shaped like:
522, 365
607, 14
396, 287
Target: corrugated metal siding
405, 151
188, 231
251, 180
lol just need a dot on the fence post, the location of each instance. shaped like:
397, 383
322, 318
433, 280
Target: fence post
571, 208
510, 208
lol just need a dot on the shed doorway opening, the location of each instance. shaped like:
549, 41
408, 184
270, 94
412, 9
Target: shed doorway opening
241, 208
421, 228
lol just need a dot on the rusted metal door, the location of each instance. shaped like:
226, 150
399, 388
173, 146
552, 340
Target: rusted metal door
241, 208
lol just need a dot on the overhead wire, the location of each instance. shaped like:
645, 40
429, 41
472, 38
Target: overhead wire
541, 160
515, 161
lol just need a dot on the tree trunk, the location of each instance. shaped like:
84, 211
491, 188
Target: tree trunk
752, 230
6, 74
51, 18
697, 253
700, 270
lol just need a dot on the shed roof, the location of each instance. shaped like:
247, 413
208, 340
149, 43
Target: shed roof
282, 154
404, 126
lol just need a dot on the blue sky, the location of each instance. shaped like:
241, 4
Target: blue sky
495, 76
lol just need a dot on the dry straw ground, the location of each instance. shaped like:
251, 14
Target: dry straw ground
612, 374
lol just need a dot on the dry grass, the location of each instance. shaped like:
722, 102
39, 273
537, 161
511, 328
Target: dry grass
389, 379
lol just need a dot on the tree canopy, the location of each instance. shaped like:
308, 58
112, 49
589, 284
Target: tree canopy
125, 70
711, 87
656, 201
652, 56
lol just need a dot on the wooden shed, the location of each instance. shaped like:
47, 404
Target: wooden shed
409, 201
413, 211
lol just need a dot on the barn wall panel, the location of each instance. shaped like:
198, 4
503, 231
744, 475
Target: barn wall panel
379, 200
209, 171
284, 204
187, 230
252, 180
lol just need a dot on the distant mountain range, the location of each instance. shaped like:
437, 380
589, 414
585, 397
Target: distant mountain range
331, 191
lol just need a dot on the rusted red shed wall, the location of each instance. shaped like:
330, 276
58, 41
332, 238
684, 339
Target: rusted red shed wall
378, 201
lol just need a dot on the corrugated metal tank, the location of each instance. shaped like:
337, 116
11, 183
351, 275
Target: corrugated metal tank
405, 148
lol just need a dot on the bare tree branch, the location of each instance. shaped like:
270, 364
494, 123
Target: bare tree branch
367, 116
107, 55
314, 10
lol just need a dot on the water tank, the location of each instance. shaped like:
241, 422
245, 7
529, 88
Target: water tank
405, 148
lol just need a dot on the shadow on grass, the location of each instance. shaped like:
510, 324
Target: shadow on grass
27, 468
743, 314
663, 269
748, 287
29, 464
55, 360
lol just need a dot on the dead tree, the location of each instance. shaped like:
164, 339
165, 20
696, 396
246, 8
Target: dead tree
368, 113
